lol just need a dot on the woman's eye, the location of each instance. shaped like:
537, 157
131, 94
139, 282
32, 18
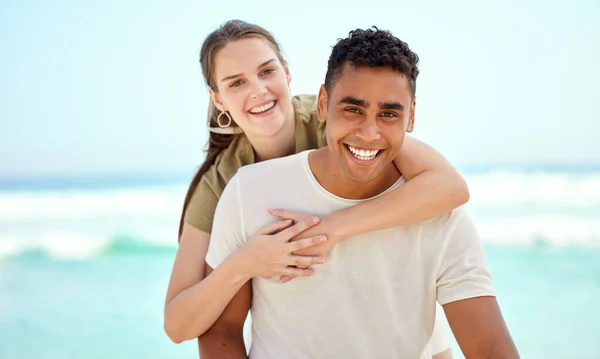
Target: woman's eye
268, 71
236, 84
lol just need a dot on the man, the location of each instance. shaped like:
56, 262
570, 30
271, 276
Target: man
376, 295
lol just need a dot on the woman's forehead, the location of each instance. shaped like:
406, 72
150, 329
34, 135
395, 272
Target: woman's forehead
244, 55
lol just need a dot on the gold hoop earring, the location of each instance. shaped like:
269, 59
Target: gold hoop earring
228, 120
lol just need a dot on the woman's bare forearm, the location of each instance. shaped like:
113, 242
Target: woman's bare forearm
426, 196
433, 187
193, 311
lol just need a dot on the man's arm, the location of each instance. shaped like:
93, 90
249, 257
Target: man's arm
479, 328
225, 339
465, 290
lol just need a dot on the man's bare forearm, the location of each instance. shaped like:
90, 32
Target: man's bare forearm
222, 343
504, 350
479, 328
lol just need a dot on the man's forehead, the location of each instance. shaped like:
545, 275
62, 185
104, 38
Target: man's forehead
371, 90
372, 77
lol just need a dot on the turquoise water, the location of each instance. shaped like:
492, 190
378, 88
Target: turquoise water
549, 299
83, 272
108, 307
111, 306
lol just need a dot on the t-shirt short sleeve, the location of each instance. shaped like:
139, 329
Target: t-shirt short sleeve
462, 273
227, 232
202, 206
201, 209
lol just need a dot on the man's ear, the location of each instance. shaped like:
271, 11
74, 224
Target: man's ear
216, 99
322, 104
411, 117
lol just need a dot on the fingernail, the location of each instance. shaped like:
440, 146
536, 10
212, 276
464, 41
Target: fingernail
322, 260
315, 219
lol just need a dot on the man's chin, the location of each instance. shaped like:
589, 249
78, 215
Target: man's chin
359, 176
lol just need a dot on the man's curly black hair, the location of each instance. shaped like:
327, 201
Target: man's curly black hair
372, 48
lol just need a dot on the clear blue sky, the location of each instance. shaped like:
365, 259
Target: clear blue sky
115, 87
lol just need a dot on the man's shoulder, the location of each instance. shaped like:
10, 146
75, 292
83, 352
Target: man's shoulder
448, 220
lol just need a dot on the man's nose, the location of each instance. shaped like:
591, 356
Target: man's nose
368, 131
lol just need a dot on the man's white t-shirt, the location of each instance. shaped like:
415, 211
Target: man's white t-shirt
376, 295
440, 339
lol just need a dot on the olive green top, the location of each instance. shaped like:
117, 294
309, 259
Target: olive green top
310, 134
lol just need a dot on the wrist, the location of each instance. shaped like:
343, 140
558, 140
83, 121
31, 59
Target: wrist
335, 230
237, 267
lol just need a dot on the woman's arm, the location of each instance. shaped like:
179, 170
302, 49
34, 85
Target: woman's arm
433, 187
193, 303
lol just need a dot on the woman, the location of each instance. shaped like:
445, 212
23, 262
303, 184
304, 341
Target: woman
252, 118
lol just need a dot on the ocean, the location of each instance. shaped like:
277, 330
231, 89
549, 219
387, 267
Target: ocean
84, 266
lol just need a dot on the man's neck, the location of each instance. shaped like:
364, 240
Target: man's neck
327, 172
281, 144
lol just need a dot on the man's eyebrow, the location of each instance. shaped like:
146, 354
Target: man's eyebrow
362, 103
258, 67
391, 106
354, 101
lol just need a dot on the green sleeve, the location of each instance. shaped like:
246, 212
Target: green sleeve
202, 206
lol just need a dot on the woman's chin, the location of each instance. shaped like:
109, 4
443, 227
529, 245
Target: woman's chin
270, 126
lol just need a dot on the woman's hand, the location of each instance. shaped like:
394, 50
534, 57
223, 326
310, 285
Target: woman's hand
318, 250
270, 252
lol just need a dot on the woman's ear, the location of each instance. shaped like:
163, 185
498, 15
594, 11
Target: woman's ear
287, 72
216, 99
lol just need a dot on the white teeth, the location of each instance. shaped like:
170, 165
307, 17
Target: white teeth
263, 108
362, 154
